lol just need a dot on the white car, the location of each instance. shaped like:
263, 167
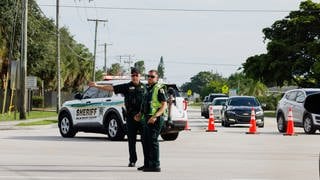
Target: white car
217, 105
309, 120
100, 111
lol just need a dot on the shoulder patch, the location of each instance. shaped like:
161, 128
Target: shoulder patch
161, 91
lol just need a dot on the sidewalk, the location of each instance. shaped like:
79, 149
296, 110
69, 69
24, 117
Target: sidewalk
10, 125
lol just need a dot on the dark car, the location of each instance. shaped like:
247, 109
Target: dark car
238, 111
208, 101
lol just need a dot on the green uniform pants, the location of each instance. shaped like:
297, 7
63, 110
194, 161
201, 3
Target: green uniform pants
133, 128
150, 143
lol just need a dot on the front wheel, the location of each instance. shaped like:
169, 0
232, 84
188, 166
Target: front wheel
226, 122
261, 125
114, 128
170, 136
281, 125
65, 126
308, 126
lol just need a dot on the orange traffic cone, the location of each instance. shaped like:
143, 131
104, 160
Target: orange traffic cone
290, 124
211, 127
187, 127
253, 126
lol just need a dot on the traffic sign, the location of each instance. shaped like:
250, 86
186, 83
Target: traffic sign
189, 92
225, 89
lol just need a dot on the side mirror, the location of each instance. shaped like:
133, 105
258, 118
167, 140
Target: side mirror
78, 96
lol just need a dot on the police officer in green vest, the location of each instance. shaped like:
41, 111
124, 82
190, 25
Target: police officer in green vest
133, 96
154, 107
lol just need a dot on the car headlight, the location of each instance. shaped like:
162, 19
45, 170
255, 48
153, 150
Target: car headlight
259, 113
231, 112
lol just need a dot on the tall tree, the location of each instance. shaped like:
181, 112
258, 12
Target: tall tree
115, 70
161, 68
293, 50
203, 83
140, 65
75, 57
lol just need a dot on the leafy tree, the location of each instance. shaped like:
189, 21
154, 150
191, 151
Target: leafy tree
115, 70
161, 68
246, 86
203, 83
76, 60
293, 50
212, 87
140, 65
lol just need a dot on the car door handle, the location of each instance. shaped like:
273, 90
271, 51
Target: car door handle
88, 102
108, 100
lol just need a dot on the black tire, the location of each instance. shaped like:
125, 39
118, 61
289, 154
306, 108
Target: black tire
261, 125
66, 126
222, 122
281, 123
308, 125
114, 128
226, 122
170, 136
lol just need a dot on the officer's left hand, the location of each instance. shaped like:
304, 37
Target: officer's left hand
152, 120
137, 117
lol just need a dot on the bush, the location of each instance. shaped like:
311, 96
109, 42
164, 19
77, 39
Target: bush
37, 101
270, 101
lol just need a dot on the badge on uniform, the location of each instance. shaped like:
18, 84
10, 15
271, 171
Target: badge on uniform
161, 91
131, 87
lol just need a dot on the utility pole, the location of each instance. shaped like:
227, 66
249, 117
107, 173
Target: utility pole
23, 61
95, 46
58, 57
129, 61
105, 55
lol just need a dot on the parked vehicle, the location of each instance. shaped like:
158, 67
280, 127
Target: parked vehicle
217, 106
205, 104
100, 111
238, 111
309, 121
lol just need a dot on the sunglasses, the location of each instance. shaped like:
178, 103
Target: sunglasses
151, 76
134, 75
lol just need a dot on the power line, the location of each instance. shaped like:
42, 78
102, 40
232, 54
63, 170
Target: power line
178, 9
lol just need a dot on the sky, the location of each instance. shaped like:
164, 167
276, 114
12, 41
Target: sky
218, 37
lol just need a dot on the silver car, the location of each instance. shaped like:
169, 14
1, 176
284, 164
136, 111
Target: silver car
301, 117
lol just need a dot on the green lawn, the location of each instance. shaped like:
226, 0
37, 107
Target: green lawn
30, 115
269, 114
42, 122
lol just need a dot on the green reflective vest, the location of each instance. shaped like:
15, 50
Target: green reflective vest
155, 104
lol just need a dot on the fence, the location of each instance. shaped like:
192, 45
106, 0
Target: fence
50, 99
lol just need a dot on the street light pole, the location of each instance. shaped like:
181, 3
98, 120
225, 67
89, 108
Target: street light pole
23, 62
58, 57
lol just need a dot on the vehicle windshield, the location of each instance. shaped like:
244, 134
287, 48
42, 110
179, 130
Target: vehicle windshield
93, 92
311, 92
219, 102
243, 102
211, 97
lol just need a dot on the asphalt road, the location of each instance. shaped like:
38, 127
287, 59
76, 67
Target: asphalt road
40, 153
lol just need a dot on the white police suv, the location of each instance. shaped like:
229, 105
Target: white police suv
100, 111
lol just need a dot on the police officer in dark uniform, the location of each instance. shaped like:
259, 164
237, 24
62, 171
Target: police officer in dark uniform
154, 107
133, 96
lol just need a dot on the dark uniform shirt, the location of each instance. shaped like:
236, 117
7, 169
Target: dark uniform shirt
133, 96
148, 98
